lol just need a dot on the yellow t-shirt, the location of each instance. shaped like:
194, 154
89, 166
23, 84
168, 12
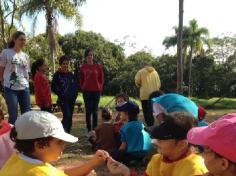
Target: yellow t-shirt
18, 166
191, 165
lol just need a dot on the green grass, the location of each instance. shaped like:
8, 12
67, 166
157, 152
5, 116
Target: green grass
225, 103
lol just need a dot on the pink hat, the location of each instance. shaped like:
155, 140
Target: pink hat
220, 136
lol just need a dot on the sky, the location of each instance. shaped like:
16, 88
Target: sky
143, 24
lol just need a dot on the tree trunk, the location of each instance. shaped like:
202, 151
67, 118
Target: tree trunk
12, 18
190, 72
179, 49
51, 36
2, 21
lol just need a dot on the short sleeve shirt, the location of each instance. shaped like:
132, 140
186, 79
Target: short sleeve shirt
191, 165
16, 69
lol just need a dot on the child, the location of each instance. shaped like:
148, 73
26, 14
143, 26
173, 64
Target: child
175, 156
201, 116
42, 89
105, 135
135, 141
172, 102
40, 139
120, 99
219, 142
7, 146
65, 86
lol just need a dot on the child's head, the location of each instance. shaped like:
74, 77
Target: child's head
128, 111
38, 65
219, 142
171, 135
40, 135
64, 62
121, 98
106, 114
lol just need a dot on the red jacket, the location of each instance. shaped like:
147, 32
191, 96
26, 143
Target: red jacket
42, 90
91, 77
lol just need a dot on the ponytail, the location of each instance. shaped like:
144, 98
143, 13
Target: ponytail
35, 66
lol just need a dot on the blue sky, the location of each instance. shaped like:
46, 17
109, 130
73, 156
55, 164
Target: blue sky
147, 23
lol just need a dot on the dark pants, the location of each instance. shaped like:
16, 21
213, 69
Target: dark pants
13, 97
91, 101
67, 108
147, 112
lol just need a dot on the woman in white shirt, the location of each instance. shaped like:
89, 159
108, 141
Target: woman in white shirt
14, 69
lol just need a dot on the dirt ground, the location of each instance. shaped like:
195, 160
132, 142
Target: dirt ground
80, 152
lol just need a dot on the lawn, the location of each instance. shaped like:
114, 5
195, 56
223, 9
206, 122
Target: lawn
81, 151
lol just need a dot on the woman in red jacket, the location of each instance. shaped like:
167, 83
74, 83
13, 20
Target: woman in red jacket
42, 90
91, 81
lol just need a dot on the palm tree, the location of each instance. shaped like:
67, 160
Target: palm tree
193, 40
52, 10
196, 38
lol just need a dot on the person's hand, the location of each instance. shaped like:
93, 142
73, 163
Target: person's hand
116, 168
99, 158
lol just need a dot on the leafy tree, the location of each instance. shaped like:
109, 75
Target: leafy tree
222, 48
8, 17
166, 68
52, 9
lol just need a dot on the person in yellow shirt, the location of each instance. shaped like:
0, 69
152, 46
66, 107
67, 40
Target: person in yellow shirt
175, 157
148, 81
40, 139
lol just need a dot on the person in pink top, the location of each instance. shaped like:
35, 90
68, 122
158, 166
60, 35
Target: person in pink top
91, 82
6, 144
219, 143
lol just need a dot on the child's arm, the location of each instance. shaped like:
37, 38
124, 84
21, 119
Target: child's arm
123, 146
99, 158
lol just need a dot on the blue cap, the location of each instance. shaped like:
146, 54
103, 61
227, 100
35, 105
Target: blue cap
128, 106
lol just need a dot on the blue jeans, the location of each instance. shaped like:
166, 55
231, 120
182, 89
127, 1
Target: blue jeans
13, 97
67, 108
91, 101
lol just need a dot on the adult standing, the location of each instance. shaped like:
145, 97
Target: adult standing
148, 81
65, 86
91, 81
14, 76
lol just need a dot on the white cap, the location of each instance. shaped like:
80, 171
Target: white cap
40, 124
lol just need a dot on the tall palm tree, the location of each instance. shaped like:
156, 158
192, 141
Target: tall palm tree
193, 40
52, 10
196, 38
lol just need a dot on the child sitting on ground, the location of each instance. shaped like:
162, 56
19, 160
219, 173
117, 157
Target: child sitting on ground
120, 99
40, 139
104, 137
219, 145
175, 157
6, 144
135, 141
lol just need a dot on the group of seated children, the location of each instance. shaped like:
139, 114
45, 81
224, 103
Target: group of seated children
125, 139
40, 139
